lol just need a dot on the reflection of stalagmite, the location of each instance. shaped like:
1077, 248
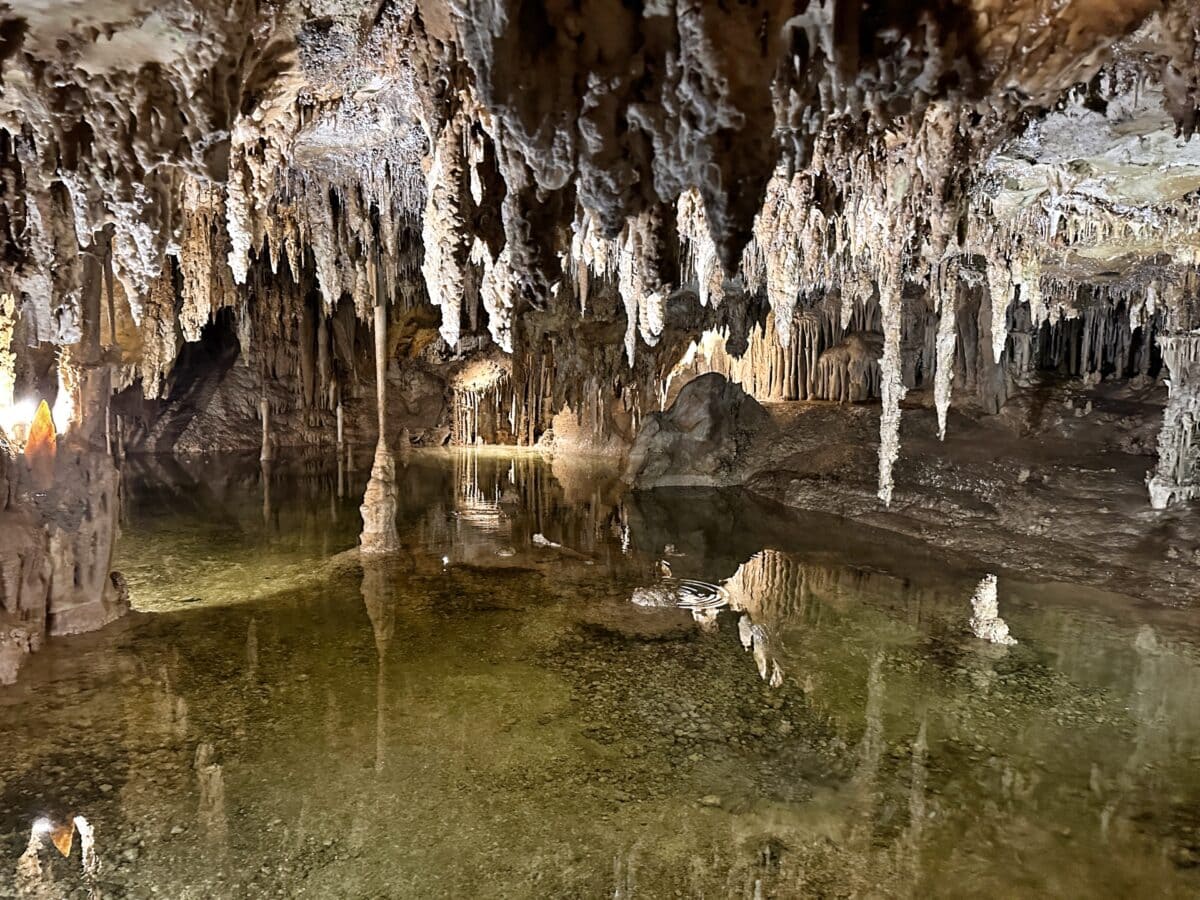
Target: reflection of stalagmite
871, 747
986, 623
211, 812
379, 502
252, 650
379, 596
916, 802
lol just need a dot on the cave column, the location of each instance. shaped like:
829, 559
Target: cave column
264, 409
379, 502
341, 439
381, 371
1176, 478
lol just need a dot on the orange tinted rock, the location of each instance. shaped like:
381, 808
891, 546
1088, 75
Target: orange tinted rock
41, 447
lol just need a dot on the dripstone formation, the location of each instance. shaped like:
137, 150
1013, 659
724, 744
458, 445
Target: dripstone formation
275, 223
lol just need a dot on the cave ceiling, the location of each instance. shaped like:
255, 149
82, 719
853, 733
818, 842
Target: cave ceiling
512, 155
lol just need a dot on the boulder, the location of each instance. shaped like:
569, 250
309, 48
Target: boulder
701, 440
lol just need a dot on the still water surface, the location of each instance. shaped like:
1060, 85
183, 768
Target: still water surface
489, 715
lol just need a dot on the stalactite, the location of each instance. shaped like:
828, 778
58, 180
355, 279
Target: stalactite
640, 280
498, 290
705, 267
947, 338
322, 239
777, 253
237, 218
443, 233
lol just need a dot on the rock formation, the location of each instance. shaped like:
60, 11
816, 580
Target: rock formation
567, 211
986, 623
698, 440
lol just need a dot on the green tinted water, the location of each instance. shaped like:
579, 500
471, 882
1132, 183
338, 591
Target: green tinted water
490, 716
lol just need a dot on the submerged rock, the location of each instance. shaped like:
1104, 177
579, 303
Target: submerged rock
683, 593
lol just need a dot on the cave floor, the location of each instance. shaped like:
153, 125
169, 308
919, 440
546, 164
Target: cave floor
488, 715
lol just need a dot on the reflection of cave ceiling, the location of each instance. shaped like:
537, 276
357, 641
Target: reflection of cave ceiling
506, 154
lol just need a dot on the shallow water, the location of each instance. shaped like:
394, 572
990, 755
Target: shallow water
491, 716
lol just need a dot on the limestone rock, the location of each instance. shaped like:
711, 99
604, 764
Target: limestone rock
699, 440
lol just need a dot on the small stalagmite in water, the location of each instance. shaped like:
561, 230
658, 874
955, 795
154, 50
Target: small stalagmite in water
986, 623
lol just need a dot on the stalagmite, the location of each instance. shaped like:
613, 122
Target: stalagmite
30, 877
849, 372
378, 509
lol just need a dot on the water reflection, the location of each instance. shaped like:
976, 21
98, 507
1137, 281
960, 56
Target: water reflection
211, 814
490, 715
379, 595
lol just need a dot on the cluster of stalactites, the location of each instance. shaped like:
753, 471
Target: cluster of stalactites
485, 413
360, 233
825, 359
106, 150
1177, 476
635, 260
797, 250
827, 208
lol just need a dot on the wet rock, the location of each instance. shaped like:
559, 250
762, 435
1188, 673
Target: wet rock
699, 439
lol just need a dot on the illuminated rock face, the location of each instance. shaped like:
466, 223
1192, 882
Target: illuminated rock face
41, 448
